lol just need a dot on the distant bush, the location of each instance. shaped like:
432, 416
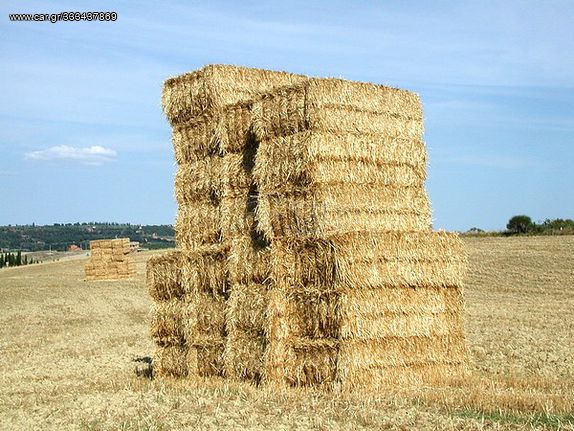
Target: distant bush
520, 224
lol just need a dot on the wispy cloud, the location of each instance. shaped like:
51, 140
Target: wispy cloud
94, 155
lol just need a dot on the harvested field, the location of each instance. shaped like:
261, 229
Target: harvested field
66, 350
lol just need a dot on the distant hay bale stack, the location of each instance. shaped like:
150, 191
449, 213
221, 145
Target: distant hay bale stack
110, 260
387, 306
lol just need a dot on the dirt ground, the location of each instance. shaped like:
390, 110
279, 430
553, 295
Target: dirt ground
67, 348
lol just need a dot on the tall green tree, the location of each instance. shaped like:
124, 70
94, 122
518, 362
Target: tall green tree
19, 258
520, 224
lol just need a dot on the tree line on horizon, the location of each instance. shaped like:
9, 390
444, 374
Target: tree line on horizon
58, 237
523, 225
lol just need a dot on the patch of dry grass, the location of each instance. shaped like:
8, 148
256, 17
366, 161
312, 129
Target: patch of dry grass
66, 348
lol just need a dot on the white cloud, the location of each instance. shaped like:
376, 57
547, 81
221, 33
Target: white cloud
94, 155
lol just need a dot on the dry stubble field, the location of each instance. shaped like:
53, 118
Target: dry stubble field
66, 350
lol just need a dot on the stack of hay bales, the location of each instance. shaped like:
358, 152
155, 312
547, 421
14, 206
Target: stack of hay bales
213, 188
110, 260
307, 254
362, 290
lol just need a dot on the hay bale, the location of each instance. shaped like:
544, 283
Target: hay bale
246, 321
204, 317
308, 158
361, 260
204, 270
246, 308
110, 260
340, 106
236, 130
170, 361
244, 355
206, 286
199, 181
196, 140
198, 225
210, 358
339, 209
167, 322
354, 364
206, 90
338, 156
163, 276
345, 304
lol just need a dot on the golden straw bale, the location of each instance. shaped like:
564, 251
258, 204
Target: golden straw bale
307, 158
237, 136
237, 216
198, 225
196, 139
205, 271
214, 86
100, 243
378, 378
170, 361
236, 174
340, 106
167, 322
210, 359
204, 317
199, 181
336, 210
300, 362
244, 355
365, 260
314, 361
246, 308
400, 352
248, 259
410, 311
163, 276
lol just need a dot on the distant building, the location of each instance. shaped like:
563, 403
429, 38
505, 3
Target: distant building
74, 247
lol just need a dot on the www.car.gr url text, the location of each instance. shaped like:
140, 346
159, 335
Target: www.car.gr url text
64, 16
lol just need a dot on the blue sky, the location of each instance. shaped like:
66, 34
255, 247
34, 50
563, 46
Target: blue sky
83, 138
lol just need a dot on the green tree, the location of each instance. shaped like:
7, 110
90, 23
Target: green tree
520, 224
19, 258
1, 260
